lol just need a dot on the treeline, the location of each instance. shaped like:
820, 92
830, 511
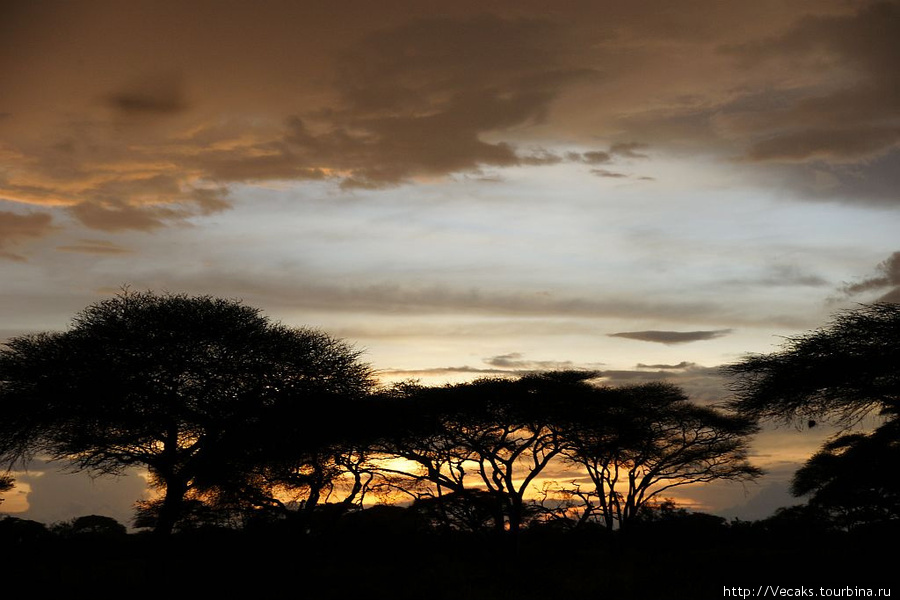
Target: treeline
243, 422
238, 418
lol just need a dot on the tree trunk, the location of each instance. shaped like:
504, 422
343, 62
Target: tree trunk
173, 503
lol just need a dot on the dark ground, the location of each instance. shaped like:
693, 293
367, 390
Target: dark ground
389, 560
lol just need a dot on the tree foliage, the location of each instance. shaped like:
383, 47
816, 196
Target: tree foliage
636, 442
166, 382
6, 484
850, 479
501, 436
492, 434
846, 370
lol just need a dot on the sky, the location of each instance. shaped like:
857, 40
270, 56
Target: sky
650, 189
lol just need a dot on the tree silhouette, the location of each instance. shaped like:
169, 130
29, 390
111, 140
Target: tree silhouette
499, 436
286, 464
165, 382
492, 435
6, 484
94, 526
850, 479
844, 371
636, 442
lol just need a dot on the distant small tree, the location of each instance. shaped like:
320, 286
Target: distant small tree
169, 382
471, 511
96, 526
19, 532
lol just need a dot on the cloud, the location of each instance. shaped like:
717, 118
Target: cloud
58, 495
418, 99
707, 385
605, 173
672, 337
89, 246
511, 364
463, 370
781, 276
404, 99
851, 118
155, 96
16, 228
374, 97
833, 145
389, 297
889, 276
682, 365
628, 149
514, 360
790, 275
596, 157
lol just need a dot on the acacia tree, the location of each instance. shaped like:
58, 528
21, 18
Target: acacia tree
164, 382
287, 466
490, 436
842, 372
846, 480
500, 436
637, 442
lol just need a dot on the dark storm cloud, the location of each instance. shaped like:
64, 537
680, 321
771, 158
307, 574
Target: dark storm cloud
16, 228
672, 337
